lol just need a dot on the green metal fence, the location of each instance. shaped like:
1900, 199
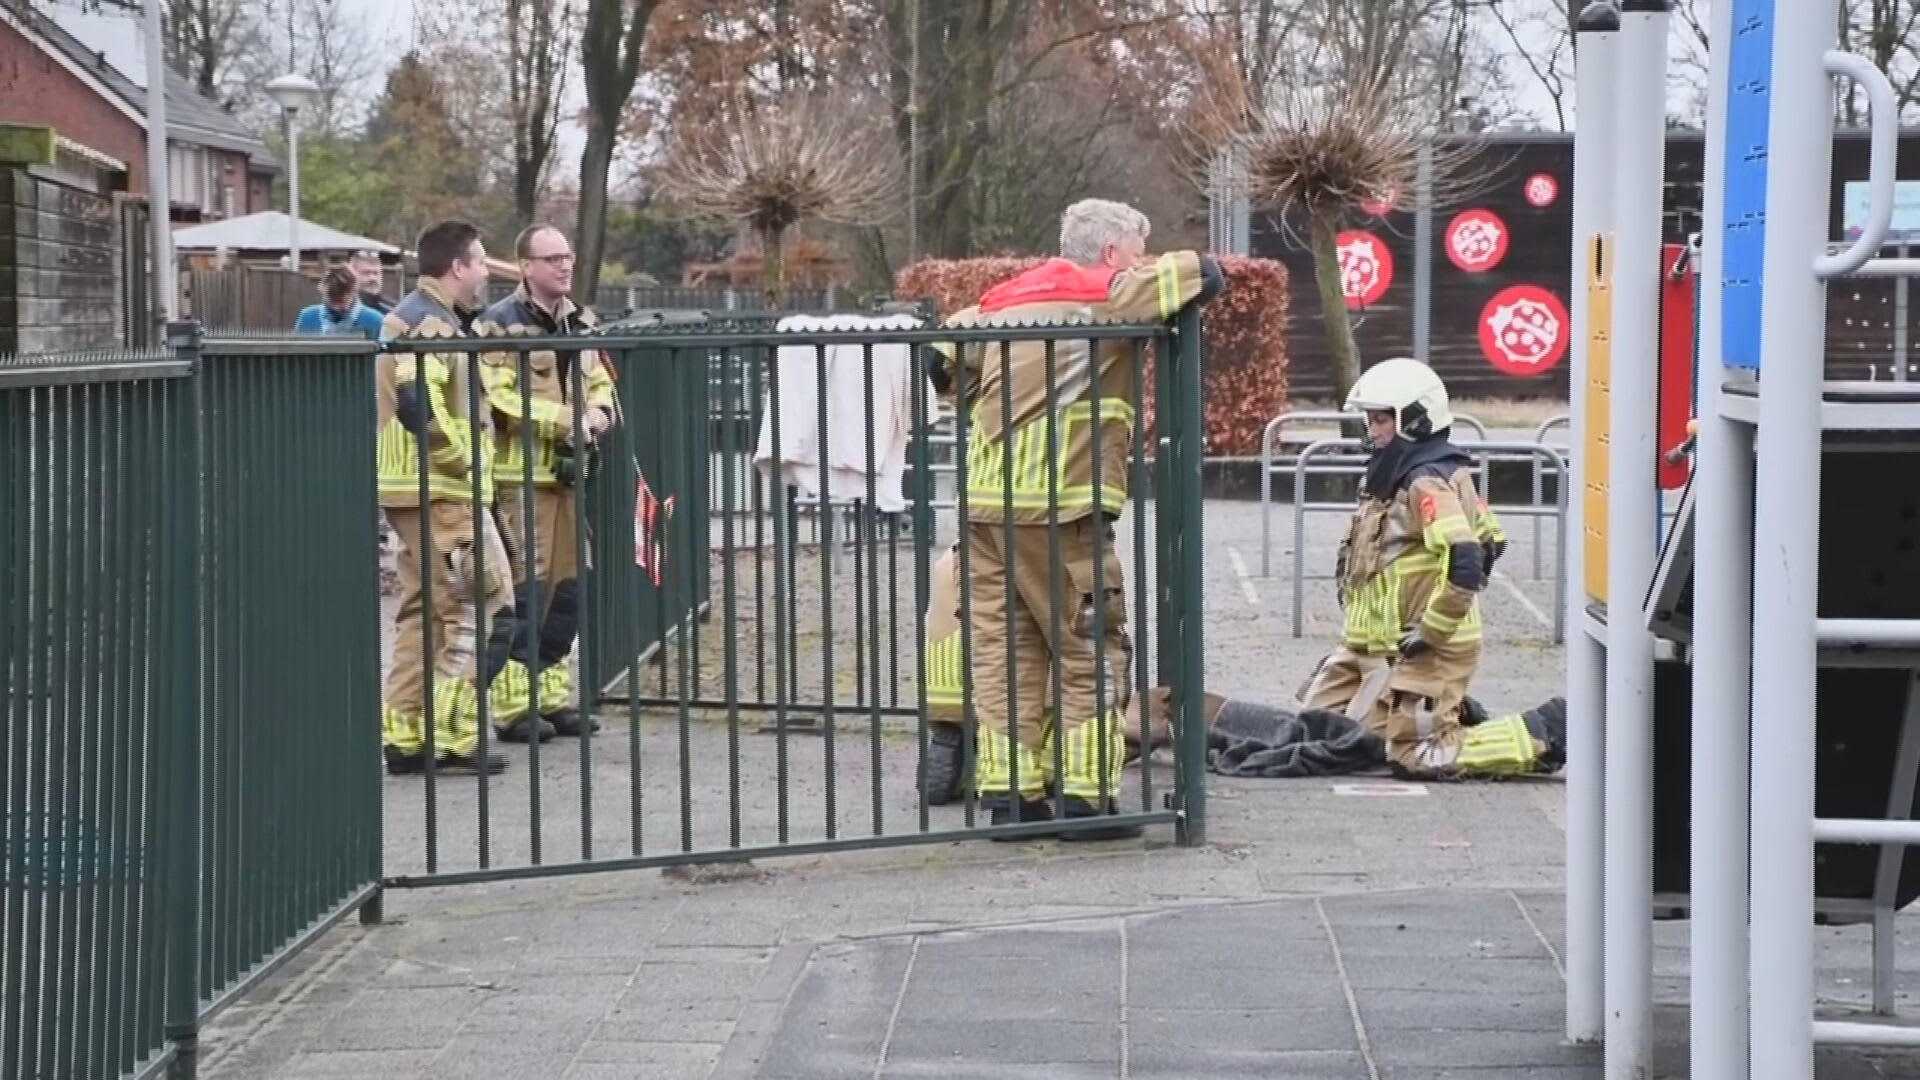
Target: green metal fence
290, 652
96, 638
189, 649
768, 694
191, 641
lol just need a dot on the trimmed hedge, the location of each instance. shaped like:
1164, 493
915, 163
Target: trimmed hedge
1246, 334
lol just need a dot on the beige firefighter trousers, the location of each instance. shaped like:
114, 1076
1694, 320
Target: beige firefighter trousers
551, 631
1418, 714
454, 650
1013, 675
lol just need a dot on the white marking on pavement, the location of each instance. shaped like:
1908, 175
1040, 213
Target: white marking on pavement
1388, 790
1522, 597
1246, 580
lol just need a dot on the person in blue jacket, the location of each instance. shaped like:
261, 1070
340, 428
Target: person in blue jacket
341, 312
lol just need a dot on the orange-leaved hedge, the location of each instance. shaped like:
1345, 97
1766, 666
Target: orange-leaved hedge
1245, 383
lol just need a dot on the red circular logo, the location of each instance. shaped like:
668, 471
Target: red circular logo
1477, 240
1524, 330
1366, 267
1542, 189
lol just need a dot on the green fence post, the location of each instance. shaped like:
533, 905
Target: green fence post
1188, 449
180, 584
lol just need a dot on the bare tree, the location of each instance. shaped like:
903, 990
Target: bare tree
1345, 119
1542, 37
611, 39
771, 166
539, 46
208, 41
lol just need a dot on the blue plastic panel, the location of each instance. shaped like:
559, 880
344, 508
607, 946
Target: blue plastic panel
1749, 106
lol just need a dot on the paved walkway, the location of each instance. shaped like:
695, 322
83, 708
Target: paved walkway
1330, 928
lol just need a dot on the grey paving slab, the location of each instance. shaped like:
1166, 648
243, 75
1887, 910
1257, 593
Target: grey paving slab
1318, 933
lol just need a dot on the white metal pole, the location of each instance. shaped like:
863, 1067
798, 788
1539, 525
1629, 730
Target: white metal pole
1787, 540
1722, 641
293, 190
1633, 522
159, 195
1596, 46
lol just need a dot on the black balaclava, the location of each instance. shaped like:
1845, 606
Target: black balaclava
1391, 465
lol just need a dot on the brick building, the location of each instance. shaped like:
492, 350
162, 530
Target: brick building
55, 71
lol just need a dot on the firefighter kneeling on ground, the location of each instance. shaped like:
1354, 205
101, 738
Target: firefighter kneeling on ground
1421, 547
548, 609
1013, 587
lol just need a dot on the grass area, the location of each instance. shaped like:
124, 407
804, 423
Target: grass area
1493, 412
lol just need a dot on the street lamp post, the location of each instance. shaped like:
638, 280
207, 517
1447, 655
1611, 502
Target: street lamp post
293, 93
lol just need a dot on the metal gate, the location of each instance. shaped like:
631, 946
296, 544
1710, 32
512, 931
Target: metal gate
763, 528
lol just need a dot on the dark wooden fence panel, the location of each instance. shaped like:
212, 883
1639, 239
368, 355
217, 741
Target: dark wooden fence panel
1860, 313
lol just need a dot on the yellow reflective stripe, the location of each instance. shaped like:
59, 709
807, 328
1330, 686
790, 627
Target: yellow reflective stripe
397, 466
990, 474
1374, 612
946, 671
1439, 534
600, 386
1166, 274
1499, 747
401, 731
556, 686
1081, 752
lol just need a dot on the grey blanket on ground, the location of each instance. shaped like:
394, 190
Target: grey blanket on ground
1261, 740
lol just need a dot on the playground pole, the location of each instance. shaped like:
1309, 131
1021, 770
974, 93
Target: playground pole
1786, 538
1722, 637
1596, 45
1633, 523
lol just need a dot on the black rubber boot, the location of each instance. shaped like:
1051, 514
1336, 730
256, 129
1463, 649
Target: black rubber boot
945, 780
1078, 808
1000, 812
401, 763
470, 765
1548, 722
567, 722
517, 731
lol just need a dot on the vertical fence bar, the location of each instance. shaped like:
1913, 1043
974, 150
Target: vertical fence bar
1108, 719
482, 617
1137, 484
179, 581
825, 507
1056, 640
730, 644
1188, 350
587, 451
870, 543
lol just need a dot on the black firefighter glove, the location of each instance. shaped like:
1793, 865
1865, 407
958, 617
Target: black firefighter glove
1414, 643
1492, 549
573, 468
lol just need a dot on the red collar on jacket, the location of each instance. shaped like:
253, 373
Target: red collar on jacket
1054, 281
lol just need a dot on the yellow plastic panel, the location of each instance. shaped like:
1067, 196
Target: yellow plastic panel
1599, 347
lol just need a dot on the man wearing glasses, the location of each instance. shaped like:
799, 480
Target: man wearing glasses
547, 608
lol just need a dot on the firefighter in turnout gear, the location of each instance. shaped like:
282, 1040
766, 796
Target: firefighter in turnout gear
1016, 485
423, 399
548, 608
944, 778
1421, 547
